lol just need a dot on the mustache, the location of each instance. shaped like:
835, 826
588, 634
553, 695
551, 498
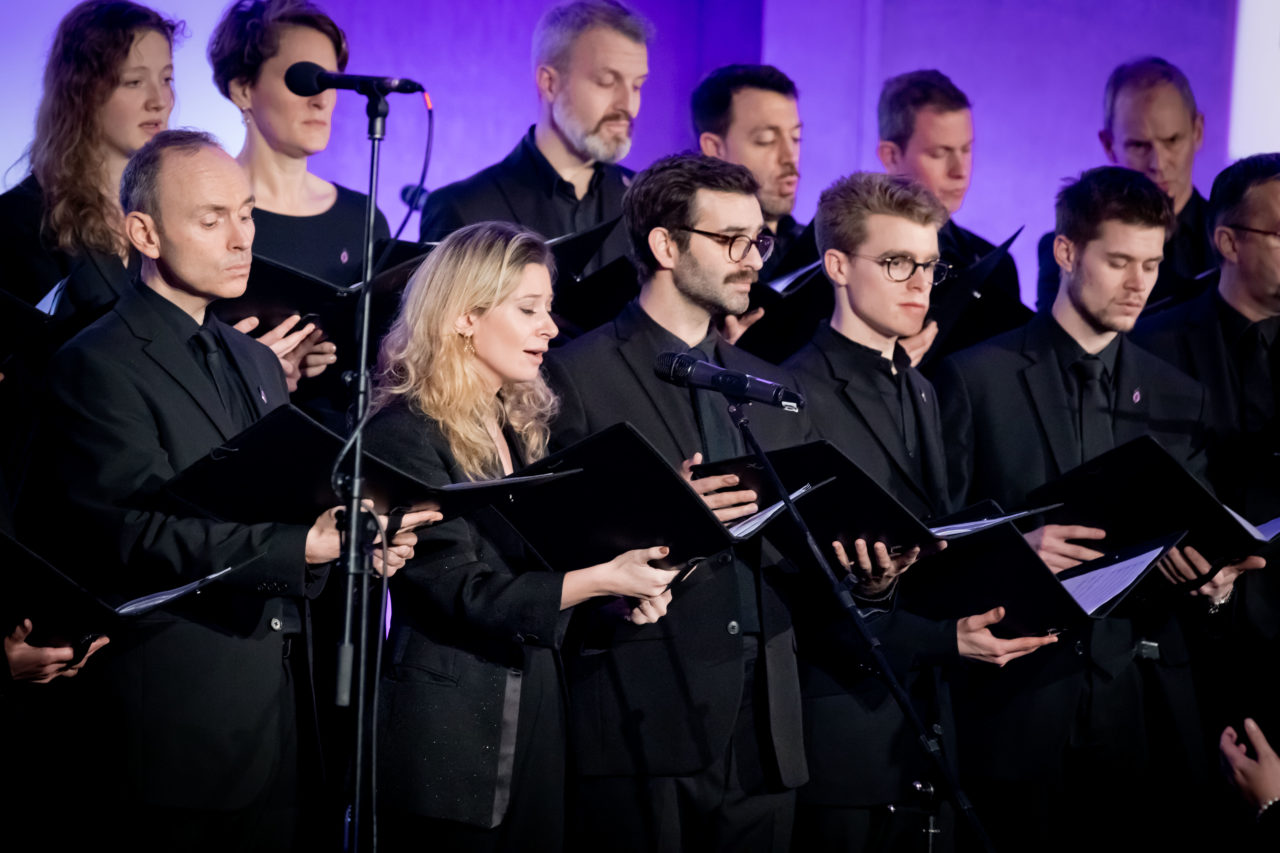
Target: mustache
620, 115
746, 276
789, 172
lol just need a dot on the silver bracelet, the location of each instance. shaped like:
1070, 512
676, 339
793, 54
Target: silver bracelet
1215, 606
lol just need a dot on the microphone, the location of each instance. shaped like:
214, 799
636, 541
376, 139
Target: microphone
688, 372
307, 79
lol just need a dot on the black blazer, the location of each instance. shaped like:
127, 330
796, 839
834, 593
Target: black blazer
661, 700
861, 749
1008, 422
1244, 470
1009, 429
509, 191
189, 702
474, 622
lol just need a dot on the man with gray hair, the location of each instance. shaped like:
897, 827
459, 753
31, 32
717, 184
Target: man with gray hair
590, 59
1151, 124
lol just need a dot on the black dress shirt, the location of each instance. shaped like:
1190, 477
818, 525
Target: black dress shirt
526, 189
1252, 356
890, 379
1070, 354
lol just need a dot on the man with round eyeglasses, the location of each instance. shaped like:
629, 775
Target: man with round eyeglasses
878, 235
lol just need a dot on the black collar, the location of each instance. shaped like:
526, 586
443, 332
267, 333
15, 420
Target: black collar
547, 176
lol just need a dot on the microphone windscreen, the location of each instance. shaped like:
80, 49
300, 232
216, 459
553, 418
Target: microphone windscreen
672, 366
303, 78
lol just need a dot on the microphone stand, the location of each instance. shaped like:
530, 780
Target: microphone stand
357, 558
930, 745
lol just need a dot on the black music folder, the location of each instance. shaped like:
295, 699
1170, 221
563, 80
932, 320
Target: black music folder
794, 304
582, 303
279, 470
64, 613
996, 567
854, 506
967, 312
1137, 492
625, 497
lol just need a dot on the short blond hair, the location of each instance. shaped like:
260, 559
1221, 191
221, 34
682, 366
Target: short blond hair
843, 208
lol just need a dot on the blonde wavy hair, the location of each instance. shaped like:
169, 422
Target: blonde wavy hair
424, 358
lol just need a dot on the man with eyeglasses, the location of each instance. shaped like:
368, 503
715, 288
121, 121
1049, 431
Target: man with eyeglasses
879, 240
1097, 738
1227, 338
687, 736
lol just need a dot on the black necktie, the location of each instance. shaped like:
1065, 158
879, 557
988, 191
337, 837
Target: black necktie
216, 366
1095, 409
1258, 393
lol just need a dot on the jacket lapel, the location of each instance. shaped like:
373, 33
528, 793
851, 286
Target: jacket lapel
1043, 380
174, 358
1133, 412
266, 396
672, 406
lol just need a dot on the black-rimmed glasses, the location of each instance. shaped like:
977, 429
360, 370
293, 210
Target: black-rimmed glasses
739, 244
901, 267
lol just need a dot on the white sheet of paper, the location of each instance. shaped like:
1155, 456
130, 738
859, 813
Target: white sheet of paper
1091, 591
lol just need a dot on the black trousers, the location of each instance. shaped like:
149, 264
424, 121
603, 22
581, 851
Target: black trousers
732, 805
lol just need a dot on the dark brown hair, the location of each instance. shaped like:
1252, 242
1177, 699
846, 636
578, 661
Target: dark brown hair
249, 34
90, 47
1110, 193
662, 196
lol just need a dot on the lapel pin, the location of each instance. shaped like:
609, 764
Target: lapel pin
262, 394
344, 257
1137, 395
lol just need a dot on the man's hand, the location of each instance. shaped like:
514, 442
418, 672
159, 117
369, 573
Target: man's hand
976, 642
1054, 546
41, 664
1259, 780
302, 352
728, 506
1185, 564
732, 326
918, 344
875, 568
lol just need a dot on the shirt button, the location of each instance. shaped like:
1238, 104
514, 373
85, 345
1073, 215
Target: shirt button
276, 624
1080, 647
733, 627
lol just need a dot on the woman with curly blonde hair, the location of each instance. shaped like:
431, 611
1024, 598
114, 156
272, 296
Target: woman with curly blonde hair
472, 723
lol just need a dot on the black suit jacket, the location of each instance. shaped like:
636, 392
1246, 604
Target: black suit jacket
188, 701
510, 191
861, 749
1243, 469
1009, 429
474, 623
661, 700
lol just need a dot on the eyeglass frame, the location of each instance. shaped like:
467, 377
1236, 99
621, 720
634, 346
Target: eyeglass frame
727, 240
1254, 230
939, 266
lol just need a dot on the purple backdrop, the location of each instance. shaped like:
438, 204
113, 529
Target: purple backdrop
1034, 72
